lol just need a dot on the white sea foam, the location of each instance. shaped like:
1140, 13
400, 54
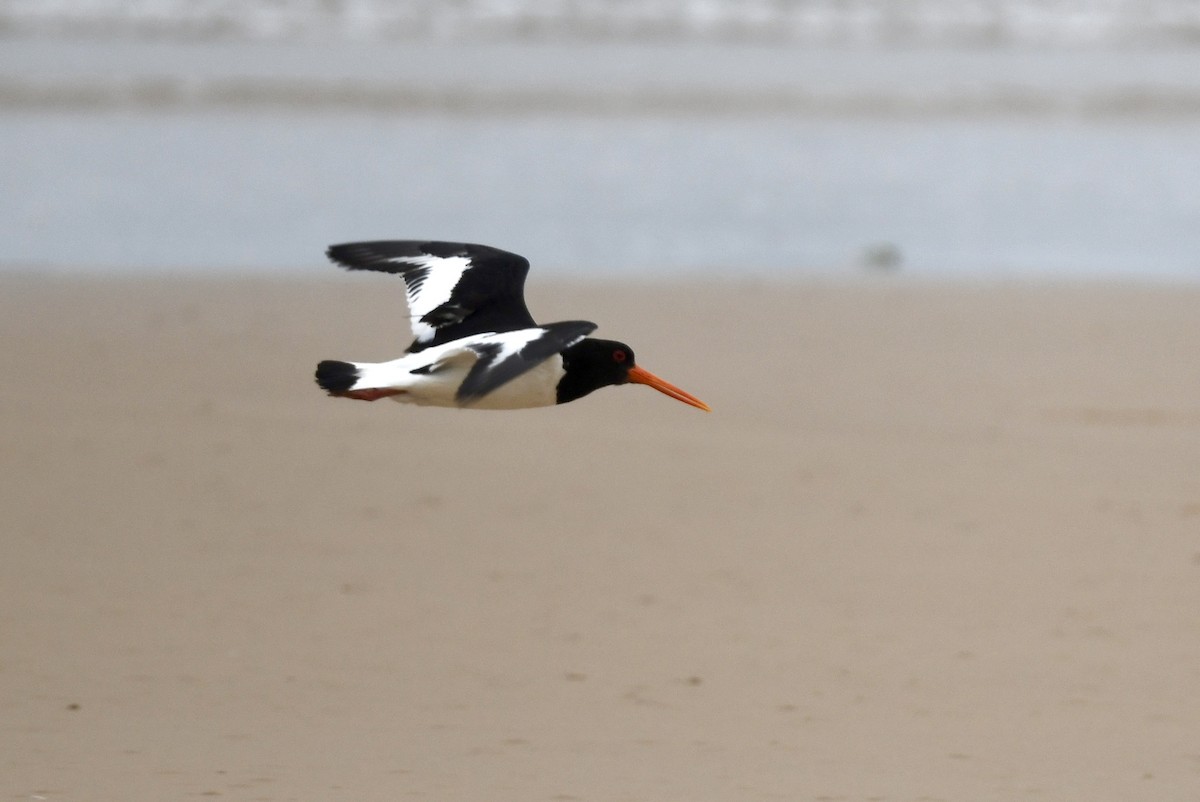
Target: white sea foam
863, 22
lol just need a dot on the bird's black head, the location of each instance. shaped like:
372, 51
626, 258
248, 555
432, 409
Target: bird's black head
591, 364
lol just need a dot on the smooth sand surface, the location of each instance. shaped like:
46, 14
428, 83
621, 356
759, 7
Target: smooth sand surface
934, 543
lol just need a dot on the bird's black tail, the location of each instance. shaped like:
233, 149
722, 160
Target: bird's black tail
336, 378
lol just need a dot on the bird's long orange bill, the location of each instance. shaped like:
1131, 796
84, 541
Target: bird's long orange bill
642, 376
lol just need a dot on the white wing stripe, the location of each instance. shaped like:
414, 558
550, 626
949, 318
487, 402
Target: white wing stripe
441, 276
512, 342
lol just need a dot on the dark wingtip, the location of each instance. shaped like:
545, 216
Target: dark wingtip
353, 255
386, 256
336, 377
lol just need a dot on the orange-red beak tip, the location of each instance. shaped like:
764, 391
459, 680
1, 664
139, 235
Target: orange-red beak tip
639, 375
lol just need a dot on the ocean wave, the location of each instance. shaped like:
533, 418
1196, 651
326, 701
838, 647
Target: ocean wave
823, 22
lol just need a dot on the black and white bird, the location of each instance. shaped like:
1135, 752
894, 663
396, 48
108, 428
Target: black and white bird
476, 345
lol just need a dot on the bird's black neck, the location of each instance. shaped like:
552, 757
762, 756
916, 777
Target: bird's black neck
577, 380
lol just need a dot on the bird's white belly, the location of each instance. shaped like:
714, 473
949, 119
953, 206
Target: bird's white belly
537, 387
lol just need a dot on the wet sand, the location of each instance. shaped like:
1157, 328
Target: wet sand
935, 542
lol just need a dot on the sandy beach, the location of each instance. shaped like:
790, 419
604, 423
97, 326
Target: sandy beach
935, 542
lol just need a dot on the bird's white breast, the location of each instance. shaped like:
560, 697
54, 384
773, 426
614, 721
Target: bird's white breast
537, 387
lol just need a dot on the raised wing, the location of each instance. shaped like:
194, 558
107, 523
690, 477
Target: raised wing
504, 357
455, 289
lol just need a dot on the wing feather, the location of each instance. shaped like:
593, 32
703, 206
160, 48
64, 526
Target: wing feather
454, 289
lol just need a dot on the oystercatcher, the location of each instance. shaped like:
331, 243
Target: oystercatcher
476, 345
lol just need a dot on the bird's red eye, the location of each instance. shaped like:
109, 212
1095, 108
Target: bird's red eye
619, 355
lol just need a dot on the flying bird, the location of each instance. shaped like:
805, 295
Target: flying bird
475, 344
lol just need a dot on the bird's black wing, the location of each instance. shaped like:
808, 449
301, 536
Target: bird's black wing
455, 289
504, 357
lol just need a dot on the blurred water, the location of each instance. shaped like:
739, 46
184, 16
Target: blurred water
609, 158
822, 22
